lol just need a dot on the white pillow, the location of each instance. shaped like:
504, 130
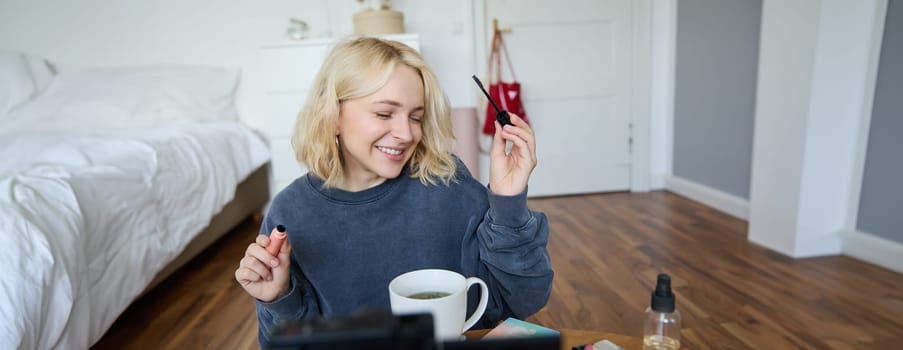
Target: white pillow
22, 77
134, 97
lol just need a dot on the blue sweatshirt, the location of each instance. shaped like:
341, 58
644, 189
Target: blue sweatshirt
347, 246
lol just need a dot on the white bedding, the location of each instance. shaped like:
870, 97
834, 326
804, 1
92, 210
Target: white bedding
89, 214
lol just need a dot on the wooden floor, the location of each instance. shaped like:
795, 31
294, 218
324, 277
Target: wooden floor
607, 250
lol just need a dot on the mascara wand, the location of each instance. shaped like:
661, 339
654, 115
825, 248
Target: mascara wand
501, 116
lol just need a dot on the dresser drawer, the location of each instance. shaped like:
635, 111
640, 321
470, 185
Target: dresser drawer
281, 111
284, 165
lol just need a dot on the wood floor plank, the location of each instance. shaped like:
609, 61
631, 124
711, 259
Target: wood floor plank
606, 250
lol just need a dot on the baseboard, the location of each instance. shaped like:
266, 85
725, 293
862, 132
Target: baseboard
722, 201
819, 245
874, 249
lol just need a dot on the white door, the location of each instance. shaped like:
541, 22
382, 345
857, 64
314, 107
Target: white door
573, 60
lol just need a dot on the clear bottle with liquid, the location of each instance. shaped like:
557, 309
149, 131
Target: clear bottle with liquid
661, 330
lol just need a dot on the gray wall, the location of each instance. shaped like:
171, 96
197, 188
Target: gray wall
716, 63
881, 200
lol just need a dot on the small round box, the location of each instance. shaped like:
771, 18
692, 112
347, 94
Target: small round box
376, 22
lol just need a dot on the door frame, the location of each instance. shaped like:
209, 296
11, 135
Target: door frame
641, 94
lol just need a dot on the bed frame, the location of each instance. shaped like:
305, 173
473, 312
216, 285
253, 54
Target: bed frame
251, 196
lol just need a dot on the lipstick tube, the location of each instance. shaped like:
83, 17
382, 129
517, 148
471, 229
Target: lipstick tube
276, 238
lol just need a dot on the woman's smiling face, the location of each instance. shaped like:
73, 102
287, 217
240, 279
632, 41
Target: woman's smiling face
378, 133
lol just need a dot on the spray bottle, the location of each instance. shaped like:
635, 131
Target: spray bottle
662, 326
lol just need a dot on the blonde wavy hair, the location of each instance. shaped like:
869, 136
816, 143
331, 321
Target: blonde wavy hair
358, 67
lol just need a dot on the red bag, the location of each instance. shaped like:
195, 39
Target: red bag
505, 95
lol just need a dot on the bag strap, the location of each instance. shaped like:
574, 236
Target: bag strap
507, 56
495, 63
493, 52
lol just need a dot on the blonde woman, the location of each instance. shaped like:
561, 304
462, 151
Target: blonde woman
385, 195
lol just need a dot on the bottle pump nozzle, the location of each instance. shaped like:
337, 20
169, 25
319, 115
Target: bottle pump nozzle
662, 297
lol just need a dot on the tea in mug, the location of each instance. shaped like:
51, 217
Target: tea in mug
428, 295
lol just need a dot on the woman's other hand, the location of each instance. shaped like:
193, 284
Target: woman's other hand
264, 276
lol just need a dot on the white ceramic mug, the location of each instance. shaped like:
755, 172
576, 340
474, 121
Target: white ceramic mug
448, 310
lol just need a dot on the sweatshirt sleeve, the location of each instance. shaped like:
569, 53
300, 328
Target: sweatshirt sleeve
512, 249
299, 303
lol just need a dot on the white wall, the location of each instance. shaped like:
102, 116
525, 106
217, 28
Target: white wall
90, 33
664, 35
447, 35
816, 70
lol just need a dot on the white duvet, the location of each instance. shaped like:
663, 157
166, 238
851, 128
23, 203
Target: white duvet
88, 218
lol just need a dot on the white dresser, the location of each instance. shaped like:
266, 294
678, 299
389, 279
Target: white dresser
277, 86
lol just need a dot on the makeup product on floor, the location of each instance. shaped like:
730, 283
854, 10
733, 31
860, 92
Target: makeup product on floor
276, 238
661, 330
501, 116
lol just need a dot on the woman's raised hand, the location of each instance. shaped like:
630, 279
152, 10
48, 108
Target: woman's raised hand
510, 172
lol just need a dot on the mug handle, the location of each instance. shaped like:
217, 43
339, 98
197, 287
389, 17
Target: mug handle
481, 308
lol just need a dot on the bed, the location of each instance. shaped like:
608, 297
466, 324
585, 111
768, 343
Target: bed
109, 180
